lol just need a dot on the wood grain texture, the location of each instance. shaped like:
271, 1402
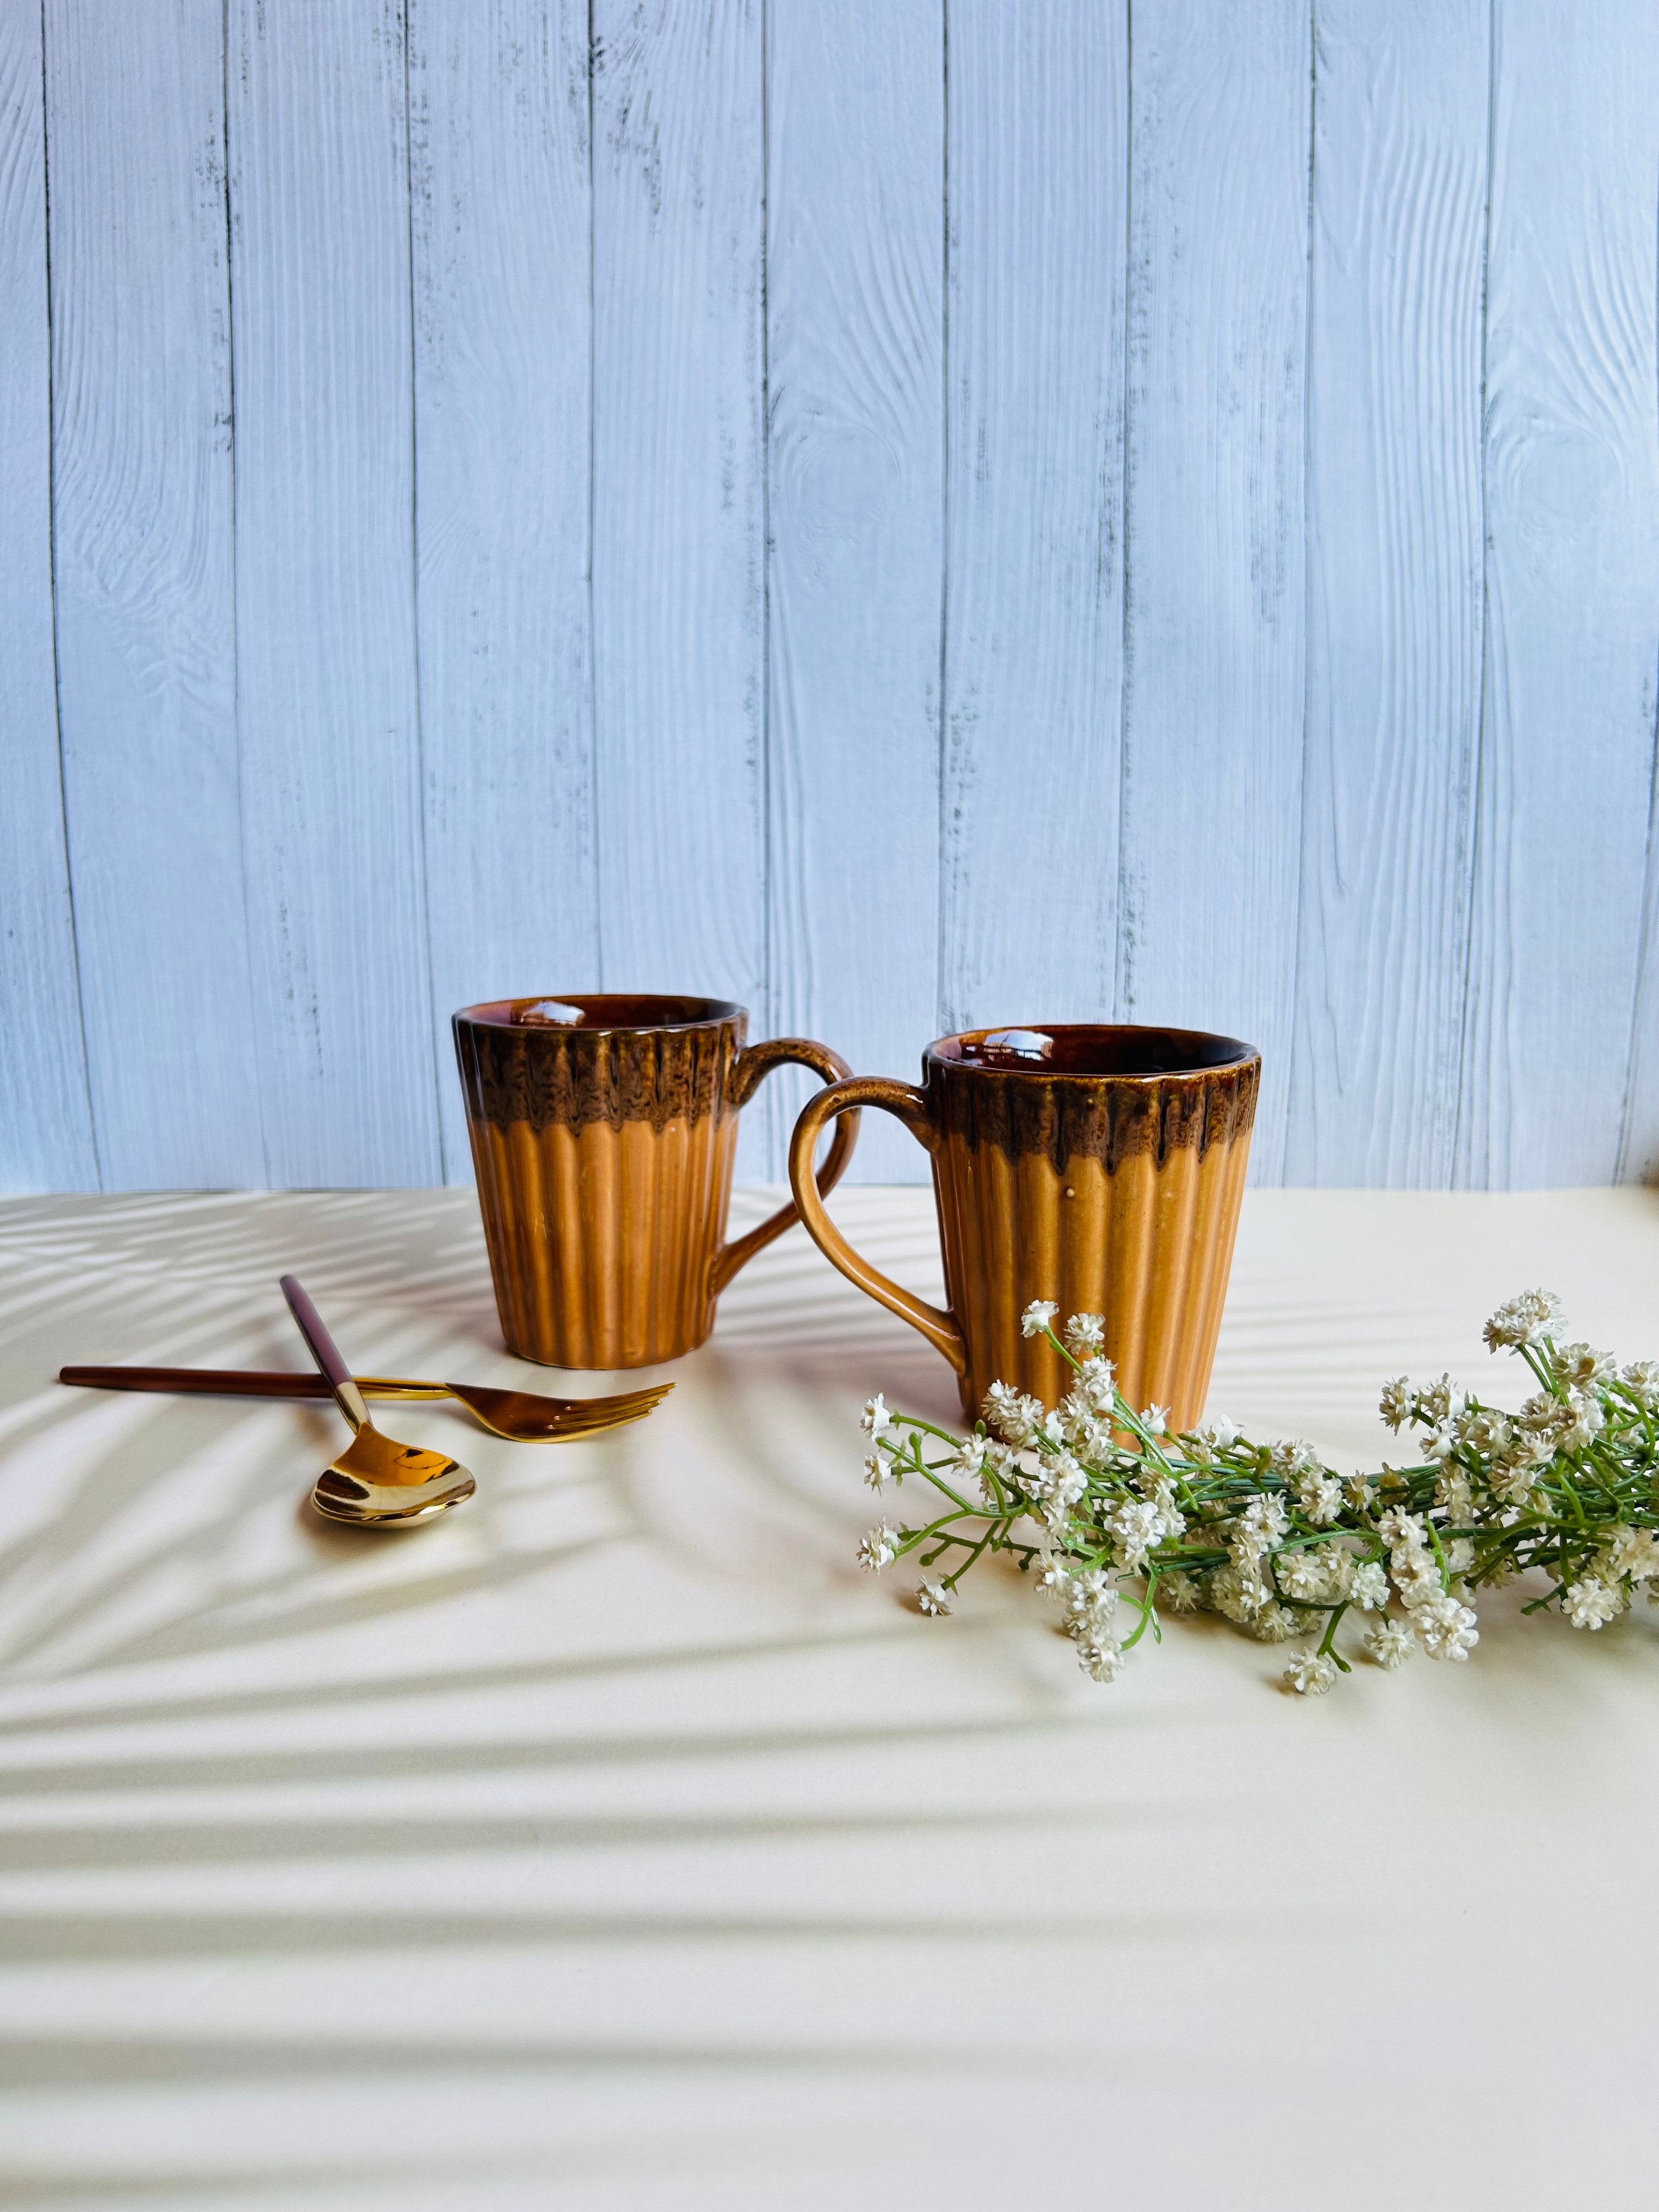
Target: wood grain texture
326, 683
1572, 582
854, 297
46, 1118
145, 493
1638, 1137
1395, 591
1214, 630
679, 520
501, 200
1033, 622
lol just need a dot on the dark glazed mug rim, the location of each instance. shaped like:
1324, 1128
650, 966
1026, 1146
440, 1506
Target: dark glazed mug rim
1085, 1049
604, 1013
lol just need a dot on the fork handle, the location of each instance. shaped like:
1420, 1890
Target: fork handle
326, 1353
240, 1382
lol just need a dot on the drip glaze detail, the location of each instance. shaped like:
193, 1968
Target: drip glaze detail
556, 1077
1064, 1118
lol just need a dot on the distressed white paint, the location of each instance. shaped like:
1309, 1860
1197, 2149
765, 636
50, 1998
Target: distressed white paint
45, 1120
607, 502
1394, 589
1572, 591
146, 623
1039, 176
678, 528
1215, 671
327, 701
854, 298
501, 237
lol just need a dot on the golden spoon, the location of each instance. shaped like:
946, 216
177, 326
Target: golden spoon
376, 1482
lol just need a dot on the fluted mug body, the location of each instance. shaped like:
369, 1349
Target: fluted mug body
1099, 1168
604, 1130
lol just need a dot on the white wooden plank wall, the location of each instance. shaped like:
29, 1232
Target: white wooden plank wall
903, 517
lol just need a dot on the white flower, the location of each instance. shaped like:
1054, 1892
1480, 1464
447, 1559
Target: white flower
1390, 1644
1369, 1592
1034, 1321
1589, 1603
877, 1418
1357, 1489
1278, 1624
1460, 1554
1056, 1479
1100, 1658
1580, 1365
1585, 1422
1014, 1417
1155, 1420
1541, 1413
1319, 1494
1399, 1402
1135, 1527
932, 1598
1084, 1335
1635, 1553
1441, 1401
1320, 1575
1445, 1629
1053, 1576
1179, 1592
876, 1551
1236, 1591
1453, 1492
1311, 1675
1641, 1379
1258, 1529
1097, 1382
1484, 1431
1527, 1319
1438, 1444
876, 1470
1219, 1433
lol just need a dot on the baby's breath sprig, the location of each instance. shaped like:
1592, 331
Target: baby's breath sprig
1114, 1518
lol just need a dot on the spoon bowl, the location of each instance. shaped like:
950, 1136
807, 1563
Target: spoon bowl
377, 1482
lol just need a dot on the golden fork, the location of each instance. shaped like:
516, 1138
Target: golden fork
524, 1417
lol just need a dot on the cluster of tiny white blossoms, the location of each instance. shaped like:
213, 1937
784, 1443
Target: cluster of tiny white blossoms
1112, 1516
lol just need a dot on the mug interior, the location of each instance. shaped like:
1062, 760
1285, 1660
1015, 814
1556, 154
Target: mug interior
1090, 1048
602, 1011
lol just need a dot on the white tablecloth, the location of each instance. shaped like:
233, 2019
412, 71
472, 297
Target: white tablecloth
615, 1844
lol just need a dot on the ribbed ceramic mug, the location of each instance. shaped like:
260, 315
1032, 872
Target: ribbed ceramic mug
1100, 1168
603, 1131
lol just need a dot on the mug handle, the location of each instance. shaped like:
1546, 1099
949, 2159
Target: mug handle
939, 1327
749, 1070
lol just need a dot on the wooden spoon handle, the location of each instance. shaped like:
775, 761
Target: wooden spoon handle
199, 1382
241, 1383
325, 1351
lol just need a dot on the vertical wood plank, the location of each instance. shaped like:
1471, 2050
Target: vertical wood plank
854, 297
1395, 591
1214, 627
1639, 1147
678, 505
45, 1118
1033, 628
146, 634
326, 683
1572, 583
501, 205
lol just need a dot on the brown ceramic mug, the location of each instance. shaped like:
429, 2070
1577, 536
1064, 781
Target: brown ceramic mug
603, 1135
1100, 1168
